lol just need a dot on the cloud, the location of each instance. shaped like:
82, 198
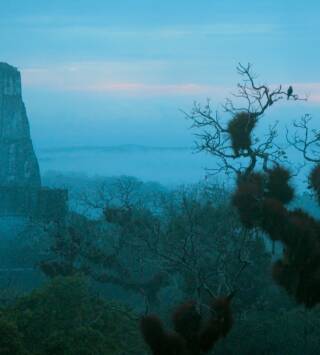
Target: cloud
94, 26
310, 90
137, 89
127, 78
135, 78
127, 88
92, 73
220, 29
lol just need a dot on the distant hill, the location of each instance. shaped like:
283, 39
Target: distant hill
118, 148
164, 164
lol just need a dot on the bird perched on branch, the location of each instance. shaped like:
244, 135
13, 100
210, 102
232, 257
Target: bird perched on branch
289, 92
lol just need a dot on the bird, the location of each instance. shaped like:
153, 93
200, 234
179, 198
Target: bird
289, 92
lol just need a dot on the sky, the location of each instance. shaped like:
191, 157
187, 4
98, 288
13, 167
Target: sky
107, 72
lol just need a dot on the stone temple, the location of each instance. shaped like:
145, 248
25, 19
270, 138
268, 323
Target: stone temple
21, 193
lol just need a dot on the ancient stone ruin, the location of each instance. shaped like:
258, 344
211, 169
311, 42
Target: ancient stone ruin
21, 193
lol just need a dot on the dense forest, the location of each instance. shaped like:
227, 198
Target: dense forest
187, 270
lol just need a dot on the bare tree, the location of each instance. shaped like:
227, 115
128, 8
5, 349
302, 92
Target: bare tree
239, 154
263, 186
305, 139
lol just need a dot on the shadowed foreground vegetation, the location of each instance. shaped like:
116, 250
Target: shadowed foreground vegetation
141, 256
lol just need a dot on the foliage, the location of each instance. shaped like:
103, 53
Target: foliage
240, 128
190, 237
263, 189
11, 341
63, 318
192, 334
291, 331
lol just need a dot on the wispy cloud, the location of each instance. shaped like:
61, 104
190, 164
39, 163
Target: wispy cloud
219, 29
137, 89
95, 27
129, 88
310, 90
134, 78
92, 73
141, 78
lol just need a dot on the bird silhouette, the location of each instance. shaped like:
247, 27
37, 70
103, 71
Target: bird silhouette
289, 92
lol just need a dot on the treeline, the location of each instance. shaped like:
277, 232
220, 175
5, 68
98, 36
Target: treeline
151, 250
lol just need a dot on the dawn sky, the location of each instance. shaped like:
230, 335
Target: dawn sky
116, 72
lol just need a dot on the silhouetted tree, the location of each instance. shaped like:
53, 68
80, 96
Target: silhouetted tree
263, 189
83, 248
192, 335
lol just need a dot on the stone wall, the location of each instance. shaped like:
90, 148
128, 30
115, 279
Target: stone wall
43, 205
21, 193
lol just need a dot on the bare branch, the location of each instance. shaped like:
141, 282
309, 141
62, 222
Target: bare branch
305, 139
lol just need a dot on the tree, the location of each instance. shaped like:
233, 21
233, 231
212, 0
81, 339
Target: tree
193, 335
204, 247
11, 341
64, 317
233, 141
192, 236
263, 183
109, 251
